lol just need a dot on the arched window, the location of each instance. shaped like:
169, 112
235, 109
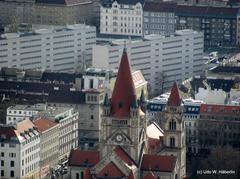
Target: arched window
172, 125
172, 142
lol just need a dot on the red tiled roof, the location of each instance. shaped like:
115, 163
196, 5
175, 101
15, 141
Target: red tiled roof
149, 175
124, 91
120, 152
174, 98
8, 131
160, 6
83, 158
87, 174
110, 171
220, 109
158, 163
44, 124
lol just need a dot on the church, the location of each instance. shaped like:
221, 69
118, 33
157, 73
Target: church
131, 146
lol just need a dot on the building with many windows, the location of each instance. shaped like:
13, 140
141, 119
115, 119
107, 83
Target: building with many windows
20, 150
161, 59
52, 12
19, 112
66, 49
67, 120
219, 24
121, 17
159, 18
49, 144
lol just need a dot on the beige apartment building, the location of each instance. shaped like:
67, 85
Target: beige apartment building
49, 144
51, 12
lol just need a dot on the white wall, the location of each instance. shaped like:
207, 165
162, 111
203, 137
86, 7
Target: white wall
64, 50
211, 96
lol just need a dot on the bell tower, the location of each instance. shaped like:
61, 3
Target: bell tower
174, 131
123, 122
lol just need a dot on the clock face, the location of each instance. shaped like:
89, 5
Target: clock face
119, 138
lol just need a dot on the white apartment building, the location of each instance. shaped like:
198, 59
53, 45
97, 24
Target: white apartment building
19, 148
65, 49
121, 18
67, 120
161, 59
19, 112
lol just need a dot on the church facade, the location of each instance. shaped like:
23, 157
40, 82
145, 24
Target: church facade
127, 149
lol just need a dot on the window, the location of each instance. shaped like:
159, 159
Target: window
11, 163
2, 154
77, 175
81, 175
91, 83
172, 125
91, 116
2, 163
172, 142
2, 173
11, 173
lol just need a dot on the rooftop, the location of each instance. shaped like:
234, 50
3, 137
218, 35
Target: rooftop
44, 124
36, 107
160, 6
158, 163
83, 158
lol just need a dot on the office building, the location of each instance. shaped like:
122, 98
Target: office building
62, 49
161, 59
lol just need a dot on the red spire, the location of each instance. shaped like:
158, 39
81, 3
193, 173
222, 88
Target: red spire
124, 91
174, 98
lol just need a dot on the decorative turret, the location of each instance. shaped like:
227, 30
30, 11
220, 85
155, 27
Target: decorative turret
124, 91
106, 105
174, 99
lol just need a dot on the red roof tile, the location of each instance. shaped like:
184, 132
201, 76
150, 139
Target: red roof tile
44, 124
219, 109
174, 98
158, 163
124, 91
8, 132
110, 171
149, 175
120, 152
83, 158
87, 174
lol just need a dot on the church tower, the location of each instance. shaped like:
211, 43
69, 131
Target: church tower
174, 132
123, 122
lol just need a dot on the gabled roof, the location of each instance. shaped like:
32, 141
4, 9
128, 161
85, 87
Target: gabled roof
149, 175
162, 163
83, 158
174, 98
44, 124
110, 171
124, 91
154, 131
120, 152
